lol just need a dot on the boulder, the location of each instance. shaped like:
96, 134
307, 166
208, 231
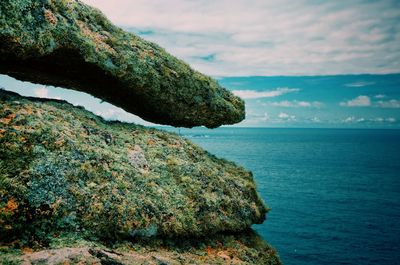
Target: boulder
65, 170
69, 44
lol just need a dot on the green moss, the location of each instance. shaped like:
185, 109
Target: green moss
40, 39
65, 170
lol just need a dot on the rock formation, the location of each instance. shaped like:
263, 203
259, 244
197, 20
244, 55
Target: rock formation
69, 44
68, 168
67, 175
76, 189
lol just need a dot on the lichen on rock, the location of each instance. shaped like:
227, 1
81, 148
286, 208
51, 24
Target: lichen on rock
58, 173
69, 44
245, 247
76, 189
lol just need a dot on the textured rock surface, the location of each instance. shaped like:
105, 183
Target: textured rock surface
65, 170
243, 248
69, 44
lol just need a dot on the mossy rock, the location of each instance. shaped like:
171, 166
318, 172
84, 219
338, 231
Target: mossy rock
238, 248
63, 169
69, 44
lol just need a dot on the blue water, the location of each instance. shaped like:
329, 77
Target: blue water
334, 194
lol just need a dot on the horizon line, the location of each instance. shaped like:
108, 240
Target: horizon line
308, 75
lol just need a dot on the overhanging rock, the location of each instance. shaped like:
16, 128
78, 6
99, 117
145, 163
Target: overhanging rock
69, 44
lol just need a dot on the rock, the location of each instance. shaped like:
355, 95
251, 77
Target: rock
69, 44
243, 248
138, 159
58, 175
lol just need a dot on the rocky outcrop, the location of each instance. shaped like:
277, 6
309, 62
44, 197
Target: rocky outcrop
69, 44
66, 173
64, 168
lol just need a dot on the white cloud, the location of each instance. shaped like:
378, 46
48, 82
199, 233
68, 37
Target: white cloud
251, 94
360, 101
110, 112
315, 119
41, 92
365, 101
255, 119
297, 104
349, 119
390, 104
352, 119
268, 37
286, 117
359, 84
379, 96
380, 119
283, 115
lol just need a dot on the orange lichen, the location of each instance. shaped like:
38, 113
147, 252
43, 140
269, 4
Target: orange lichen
224, 255
209, 250
50, 17
7, 119
146, 53
60, 142
28, 110
2, 133
10, 207
98, 39
27, 250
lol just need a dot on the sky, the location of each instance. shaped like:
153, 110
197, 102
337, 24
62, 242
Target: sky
264, 37
244, 44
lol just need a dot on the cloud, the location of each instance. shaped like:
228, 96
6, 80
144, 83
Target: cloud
365, 101
286, 117
380, 96
315, 120
352, 119
41, 92
359, 84
225, 38
360, 101
111, 113
251, 94
255, 118
380, 119
349, 119
297, 104
390, 104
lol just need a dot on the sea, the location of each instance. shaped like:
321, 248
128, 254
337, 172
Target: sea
334, 194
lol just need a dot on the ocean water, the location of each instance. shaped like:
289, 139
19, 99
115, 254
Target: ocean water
334, 193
